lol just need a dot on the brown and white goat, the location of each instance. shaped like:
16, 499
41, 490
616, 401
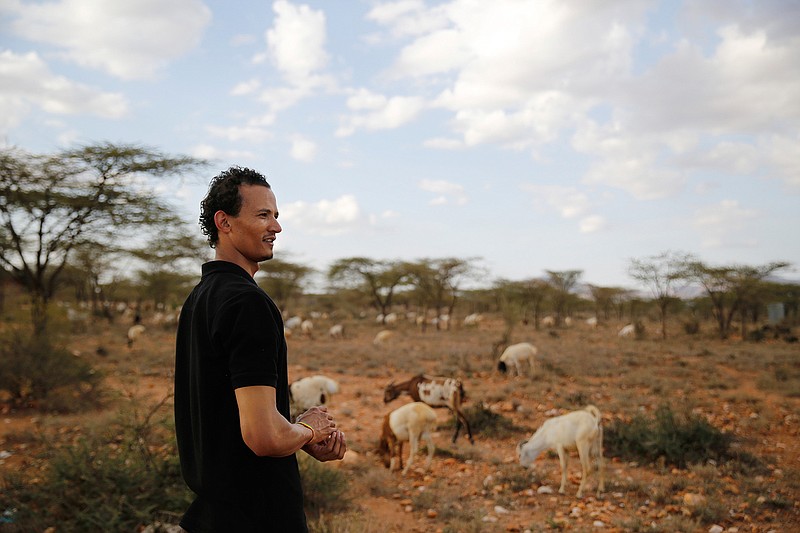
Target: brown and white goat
436, 392
410, 422
580, 429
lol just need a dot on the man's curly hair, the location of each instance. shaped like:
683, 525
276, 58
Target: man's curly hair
223, 195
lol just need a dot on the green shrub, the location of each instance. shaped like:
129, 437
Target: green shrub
38, 373
485, 422
122, 479
324, 487
691, 327
680, 440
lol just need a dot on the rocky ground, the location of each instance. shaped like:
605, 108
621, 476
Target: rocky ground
748, 390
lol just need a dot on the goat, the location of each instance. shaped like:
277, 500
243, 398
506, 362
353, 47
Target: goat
310, 391
134, 332
336, 331
293, 322
515, 355
410, 422
626, 331
581, 429
383, 336
307, 328
436, 392
473, 320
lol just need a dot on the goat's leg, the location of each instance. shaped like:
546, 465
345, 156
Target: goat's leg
601, 467
584, 454
458, 425
466, 424
431, 448
562, 458
413, 438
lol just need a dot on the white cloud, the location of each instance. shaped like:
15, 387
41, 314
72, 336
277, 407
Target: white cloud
245, 87
252, 134
446, 192
303, 149
207, 151
297, 41
130, 40
326, 217
569, 202
722, 224
783, 156
592, 224
379, 112
28, 83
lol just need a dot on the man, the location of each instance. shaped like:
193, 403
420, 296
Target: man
235, 441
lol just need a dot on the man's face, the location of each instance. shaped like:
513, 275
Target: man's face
253, 230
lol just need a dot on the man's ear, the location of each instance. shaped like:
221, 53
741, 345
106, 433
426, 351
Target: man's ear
221, 221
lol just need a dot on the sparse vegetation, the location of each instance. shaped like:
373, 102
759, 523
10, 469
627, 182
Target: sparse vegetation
679, 439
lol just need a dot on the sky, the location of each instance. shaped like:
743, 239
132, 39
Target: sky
527, 135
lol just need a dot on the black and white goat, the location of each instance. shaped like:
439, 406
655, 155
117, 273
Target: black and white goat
436, 392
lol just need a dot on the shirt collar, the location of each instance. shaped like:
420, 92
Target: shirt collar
226, 267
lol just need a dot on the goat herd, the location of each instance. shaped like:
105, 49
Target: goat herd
414, 422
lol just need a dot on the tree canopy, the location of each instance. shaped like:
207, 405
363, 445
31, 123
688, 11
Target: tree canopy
96, 195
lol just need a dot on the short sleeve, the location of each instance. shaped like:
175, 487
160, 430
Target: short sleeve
247, 331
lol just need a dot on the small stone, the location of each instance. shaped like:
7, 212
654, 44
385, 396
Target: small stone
598, 523
499, 509
432, 513
716, 529
544, 489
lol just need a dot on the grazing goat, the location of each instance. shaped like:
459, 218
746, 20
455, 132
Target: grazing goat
436, 392
472, 320
311, 391
592, 322
134, 332
383, 336
515, 356
410, 422
307, 328
627, 331
549, 321
293, 322
336, 331
578, 429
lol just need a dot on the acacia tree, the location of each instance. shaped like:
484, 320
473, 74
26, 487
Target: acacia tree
663, 274
93, 195
169, 258
730, 289
283, 280
438, 281
562, 282
378, 279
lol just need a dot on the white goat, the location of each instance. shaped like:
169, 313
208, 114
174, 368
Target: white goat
578, 429
472, 320
592, 322
134, 332
336, 331
516, 356
627, 331
293, 322
549, 321
383, 336
310, 391
307, 328
410, 422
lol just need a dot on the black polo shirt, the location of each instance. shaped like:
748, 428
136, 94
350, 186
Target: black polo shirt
230, 335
